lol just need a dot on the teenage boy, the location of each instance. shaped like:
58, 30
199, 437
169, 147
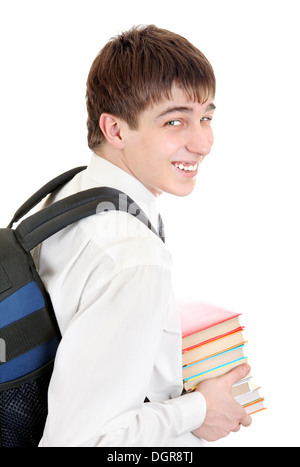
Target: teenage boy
117, 379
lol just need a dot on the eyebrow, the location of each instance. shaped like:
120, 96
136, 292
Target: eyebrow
169, 110
211, 106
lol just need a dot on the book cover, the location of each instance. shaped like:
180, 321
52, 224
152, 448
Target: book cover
202, 323
198, 316
212, 345
217, 360
215, 346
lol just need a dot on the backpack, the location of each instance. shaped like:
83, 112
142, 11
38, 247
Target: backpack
29, 334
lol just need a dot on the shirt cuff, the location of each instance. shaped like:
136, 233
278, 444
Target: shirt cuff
190, 411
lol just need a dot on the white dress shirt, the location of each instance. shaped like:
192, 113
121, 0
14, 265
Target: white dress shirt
110, 281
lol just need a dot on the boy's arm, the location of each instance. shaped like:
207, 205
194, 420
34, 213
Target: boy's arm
105, 363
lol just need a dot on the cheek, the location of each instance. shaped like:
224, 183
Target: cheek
210, 136
168, 147
160, 149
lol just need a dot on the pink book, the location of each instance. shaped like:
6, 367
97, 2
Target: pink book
202, 323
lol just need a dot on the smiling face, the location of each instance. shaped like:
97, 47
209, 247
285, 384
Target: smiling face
171, 140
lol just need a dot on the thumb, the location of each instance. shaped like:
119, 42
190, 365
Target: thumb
238, 373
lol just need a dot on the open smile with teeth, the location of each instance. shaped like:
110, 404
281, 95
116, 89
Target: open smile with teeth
186, 167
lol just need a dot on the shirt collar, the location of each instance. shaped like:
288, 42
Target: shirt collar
104, 173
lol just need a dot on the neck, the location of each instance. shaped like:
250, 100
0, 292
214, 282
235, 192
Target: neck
115, 157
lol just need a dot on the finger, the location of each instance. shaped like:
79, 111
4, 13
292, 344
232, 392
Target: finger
238, 373
236, 429
247, 420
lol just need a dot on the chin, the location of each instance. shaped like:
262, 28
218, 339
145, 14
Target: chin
182, 191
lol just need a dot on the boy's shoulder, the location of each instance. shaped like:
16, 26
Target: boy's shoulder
117, 235
126, 240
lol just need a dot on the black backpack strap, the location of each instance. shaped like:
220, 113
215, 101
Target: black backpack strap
55, 217
43, 192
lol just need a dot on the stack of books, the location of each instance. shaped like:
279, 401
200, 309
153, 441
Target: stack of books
212, 345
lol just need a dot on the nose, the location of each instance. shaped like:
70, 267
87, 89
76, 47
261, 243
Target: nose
200, 140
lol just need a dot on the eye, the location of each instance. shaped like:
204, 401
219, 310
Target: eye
206, 119
173, 123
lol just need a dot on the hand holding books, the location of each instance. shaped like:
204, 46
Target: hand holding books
224, 414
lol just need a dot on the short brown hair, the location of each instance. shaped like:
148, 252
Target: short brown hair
138, 68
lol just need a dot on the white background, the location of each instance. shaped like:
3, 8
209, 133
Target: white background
235, 241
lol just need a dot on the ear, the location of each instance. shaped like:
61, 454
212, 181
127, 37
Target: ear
110, 127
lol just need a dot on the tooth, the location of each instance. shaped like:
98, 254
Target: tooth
187, 168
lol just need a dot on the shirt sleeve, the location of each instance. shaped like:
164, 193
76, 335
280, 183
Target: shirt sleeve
104, 365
